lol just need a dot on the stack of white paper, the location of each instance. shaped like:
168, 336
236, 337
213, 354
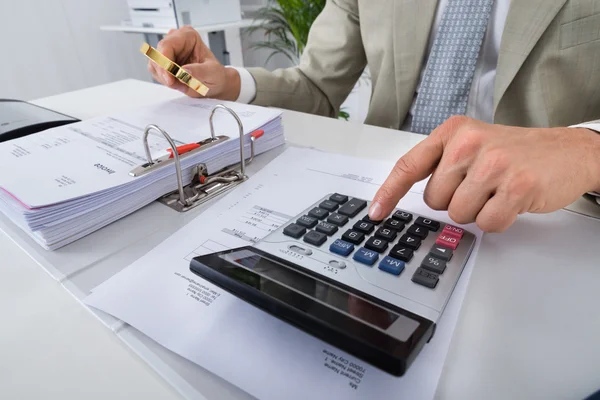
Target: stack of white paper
64, 183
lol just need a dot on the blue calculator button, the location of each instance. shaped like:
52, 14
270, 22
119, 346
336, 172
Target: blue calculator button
341, 247
391, 265
366, 256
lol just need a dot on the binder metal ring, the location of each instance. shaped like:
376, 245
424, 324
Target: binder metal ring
151, 127
204, 186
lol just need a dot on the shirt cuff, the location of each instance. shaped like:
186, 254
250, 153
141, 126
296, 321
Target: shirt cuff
594, 125
247, 86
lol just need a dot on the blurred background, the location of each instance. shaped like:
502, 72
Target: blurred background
54, 46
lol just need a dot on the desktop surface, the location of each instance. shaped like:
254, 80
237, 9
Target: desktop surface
528, 327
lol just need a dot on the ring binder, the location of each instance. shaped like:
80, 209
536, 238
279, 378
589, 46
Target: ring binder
203, 187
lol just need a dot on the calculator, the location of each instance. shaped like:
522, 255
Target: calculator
375, 289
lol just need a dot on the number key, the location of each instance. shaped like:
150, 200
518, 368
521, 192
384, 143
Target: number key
418, 231
375, 244
365, 227
412, 242
394, 224
386, 234
353, 237
401, 253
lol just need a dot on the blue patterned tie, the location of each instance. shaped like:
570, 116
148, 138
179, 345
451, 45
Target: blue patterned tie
444, 89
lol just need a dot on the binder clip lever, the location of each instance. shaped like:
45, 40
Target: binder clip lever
204, 187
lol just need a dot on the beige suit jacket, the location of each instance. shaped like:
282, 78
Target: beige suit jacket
548, 70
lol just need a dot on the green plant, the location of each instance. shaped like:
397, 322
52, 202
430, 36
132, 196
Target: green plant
286, 24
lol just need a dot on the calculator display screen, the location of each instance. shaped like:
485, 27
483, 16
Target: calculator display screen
269, 277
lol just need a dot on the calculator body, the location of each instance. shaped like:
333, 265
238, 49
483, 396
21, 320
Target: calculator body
377, 295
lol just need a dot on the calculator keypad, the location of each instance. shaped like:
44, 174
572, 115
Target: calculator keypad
391, 244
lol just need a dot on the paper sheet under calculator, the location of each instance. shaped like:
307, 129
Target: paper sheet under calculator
260, 354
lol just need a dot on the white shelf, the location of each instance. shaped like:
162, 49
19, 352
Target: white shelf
124, 27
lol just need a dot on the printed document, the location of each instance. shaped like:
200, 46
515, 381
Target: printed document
253, 350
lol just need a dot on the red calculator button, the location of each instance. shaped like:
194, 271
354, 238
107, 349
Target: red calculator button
448, 241
453, 231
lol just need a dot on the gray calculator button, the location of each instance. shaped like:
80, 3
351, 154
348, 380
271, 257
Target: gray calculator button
434, 264
441, 252
425, 278
326, 228
315, 238
294, 230
337, 219
318, 213
307, 221
352, 207
329, 205
338, 198
300, 250
337, 264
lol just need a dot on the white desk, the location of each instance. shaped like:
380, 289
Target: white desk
529, 326
231, 30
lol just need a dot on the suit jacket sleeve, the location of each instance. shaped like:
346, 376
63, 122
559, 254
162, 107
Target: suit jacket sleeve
332, 62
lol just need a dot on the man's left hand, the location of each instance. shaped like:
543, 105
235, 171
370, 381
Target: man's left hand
490, 174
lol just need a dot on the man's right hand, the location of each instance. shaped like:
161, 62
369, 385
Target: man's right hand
185, 47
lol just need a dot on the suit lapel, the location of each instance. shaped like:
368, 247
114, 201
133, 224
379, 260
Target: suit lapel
412, 25
526, 22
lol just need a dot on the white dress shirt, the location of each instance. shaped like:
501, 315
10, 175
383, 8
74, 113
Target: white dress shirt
480, 105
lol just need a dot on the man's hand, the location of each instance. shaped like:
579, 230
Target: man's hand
490, 174
185, 47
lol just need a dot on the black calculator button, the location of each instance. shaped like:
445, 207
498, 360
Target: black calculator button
352, 207
425, 278
367, 219
353, 237
386, 234
365, 227
394, 224
329, 205
376, 244
294, 230
418, 231
337, 219
338, 198
402, 216
441, 252
412, 242
326, 228
434, 264
309, 222
401, 253
428, 223
315, 238
318, 213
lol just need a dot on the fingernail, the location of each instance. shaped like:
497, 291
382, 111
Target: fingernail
376, 211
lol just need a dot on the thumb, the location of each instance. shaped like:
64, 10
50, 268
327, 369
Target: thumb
411, 168
202, 72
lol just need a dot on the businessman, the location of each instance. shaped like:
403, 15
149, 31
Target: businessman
498, 87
